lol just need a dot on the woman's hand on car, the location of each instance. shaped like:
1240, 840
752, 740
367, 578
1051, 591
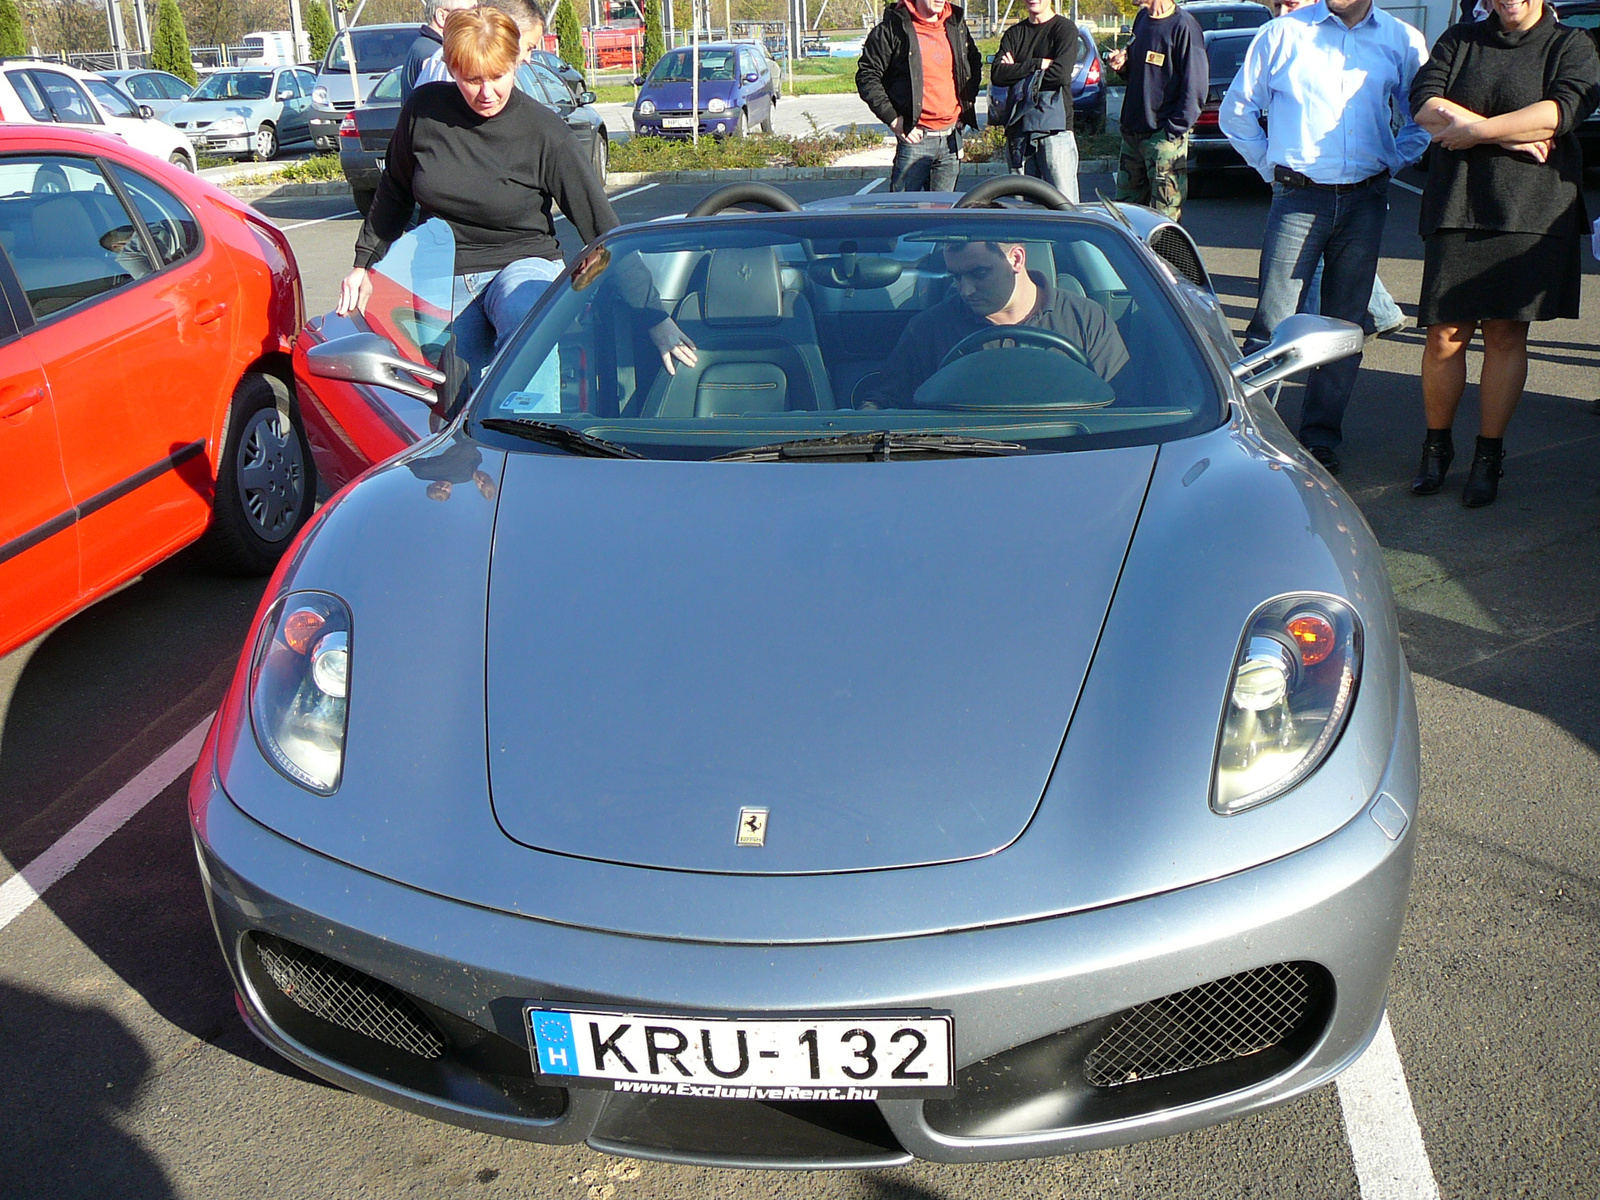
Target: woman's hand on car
673, 344
355, 289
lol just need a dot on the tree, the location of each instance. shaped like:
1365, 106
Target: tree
12, 40
654, 44
169, 44
319, 28
569, 35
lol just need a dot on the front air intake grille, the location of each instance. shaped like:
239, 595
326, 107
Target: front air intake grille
346, 997
1172, 244
1218, 1021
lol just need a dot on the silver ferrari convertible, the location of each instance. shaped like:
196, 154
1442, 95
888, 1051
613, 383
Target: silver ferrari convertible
847, 684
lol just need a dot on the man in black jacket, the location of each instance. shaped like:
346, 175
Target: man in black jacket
430, 38
919, 74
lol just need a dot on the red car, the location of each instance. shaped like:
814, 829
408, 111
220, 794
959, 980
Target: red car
146, 399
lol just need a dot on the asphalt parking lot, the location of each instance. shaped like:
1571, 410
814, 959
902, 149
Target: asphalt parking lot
128, 1072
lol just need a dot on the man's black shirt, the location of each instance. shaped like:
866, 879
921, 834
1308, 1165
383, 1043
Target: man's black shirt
931, 334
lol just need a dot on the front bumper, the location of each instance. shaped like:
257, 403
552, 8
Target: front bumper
711, 125
325, 129
1026, 998
231, 143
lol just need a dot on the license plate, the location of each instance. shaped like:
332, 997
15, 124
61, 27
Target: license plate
677, 122
379, 163
734, 1058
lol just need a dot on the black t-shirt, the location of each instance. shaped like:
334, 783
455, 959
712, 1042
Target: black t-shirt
492, 178
1027, 43
931, 334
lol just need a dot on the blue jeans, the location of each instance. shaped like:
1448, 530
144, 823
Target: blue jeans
488, 306
930, 165
1308, 227
1055, 160
1382, 311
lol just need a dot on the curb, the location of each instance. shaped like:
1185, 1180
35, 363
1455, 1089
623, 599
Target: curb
627, 179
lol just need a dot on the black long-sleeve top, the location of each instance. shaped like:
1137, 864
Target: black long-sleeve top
492, 178
1027, 43
1492, 71
1167, 75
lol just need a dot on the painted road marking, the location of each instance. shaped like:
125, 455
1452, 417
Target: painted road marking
320, 220
870, 186
19, 892
643, 187
1385, 1140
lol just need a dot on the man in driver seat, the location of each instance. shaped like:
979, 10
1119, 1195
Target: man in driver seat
992, 286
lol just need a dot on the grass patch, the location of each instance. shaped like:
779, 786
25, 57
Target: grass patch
816, 149
203, 161
322, 168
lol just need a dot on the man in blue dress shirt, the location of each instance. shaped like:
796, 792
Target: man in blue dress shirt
1329, 81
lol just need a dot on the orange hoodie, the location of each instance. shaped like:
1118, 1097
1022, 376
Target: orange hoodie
941, 107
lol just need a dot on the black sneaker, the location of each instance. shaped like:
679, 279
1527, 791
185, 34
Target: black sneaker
1327, 456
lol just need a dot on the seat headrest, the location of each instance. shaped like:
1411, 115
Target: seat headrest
1041, 260
62, 226
743, 287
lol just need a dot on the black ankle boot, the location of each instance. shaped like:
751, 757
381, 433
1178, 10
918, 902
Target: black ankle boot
1483, 481
1438, 452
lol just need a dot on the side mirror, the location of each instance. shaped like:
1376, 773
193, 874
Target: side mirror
371, 359
753, 77
587, 97
638, 81
148, 113
1301, 342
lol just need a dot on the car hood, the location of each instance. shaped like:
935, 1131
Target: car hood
680, 96
215, 110
884, 656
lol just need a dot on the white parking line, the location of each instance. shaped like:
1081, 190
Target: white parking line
19, 892
870, 186
319, 220
1410, 187
643, 187
1385, 1140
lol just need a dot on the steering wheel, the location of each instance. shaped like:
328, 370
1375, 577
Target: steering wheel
1047, 339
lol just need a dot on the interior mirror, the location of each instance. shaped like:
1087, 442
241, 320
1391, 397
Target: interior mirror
586, 97
371, 359
1301, 342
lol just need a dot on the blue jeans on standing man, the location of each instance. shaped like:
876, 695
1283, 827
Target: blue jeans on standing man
930, 165
1308, 226
488, 306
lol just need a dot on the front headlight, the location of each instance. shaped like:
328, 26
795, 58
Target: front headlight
647, 108
319, 97
1294, 682
716, 104
227, 125
300, 689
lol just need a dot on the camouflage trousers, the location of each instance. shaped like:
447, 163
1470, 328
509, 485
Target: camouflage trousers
1154, 171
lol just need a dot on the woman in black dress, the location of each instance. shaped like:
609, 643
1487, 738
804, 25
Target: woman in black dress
1502, 214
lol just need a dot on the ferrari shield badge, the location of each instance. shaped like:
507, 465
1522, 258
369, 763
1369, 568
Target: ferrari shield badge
752, 827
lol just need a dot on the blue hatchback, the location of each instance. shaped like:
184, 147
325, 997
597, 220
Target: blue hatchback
1088, 88
738, 87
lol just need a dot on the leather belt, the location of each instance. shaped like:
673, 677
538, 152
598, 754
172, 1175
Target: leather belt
1290, 178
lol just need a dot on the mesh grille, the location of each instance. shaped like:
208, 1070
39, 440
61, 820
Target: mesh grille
347, 998
1213, 1023
1170, 243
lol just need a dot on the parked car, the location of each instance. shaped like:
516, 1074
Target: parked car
38, 92
565, 71
1585, 14
245, 113
379, 49
364, 134
1228, 14
274, 48
145, 329
155, 90
1088, 88
1210, 153
738, 87
711, 768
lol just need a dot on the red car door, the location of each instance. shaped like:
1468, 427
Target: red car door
134, 330
38, 541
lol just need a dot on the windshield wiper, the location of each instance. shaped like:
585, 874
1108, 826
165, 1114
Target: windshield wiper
881, 446
553, 434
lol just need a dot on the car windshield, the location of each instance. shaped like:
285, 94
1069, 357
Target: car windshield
715, 65
236, 85
376, 50
1226, 54
822, 324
